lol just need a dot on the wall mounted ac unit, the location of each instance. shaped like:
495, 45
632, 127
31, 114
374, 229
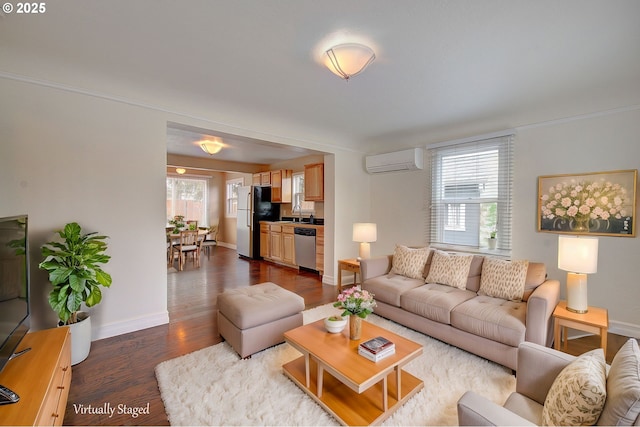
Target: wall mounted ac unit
404, 160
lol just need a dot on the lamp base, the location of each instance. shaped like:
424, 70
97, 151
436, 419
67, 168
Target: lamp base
365, 250
577, 293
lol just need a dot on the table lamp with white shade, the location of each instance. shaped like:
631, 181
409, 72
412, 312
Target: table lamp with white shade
365, 233
578, 256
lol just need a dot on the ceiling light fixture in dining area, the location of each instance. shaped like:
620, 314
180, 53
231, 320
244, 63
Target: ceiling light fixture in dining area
180, 171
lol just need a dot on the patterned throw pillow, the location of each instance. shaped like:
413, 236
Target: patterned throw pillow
503, 279
449, 269
409, 262
578, 393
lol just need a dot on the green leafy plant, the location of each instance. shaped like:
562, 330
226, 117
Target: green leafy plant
74, 271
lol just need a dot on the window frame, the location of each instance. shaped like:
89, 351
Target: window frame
437, 223
204, 219
231, 201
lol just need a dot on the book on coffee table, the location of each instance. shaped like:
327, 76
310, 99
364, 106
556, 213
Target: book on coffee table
378, 356
377, 345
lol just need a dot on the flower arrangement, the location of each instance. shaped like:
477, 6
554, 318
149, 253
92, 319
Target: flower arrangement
355, 301
584, 200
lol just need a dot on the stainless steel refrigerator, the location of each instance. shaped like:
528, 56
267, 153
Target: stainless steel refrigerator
254, 205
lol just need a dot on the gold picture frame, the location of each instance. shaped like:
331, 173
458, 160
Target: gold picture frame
597, 203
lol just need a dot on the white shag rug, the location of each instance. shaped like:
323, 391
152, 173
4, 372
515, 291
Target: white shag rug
213, 386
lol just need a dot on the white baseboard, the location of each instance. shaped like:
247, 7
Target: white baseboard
624, 329
130, 325
228, 245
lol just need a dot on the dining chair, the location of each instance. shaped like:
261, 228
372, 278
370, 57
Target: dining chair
188, 244
209, 240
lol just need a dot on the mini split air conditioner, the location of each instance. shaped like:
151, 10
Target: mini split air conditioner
404, 160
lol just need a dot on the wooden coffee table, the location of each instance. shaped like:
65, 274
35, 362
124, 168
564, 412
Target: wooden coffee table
355, 390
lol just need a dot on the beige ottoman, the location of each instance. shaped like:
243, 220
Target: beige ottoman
254, 318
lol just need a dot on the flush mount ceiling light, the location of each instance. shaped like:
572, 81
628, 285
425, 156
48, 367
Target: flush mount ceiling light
180, 171
349, 59
211, 147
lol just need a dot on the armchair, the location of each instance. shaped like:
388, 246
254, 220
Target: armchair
538, 367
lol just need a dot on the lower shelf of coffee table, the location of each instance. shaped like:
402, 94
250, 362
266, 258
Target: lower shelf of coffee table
347, 406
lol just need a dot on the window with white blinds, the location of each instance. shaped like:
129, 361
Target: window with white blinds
471, 192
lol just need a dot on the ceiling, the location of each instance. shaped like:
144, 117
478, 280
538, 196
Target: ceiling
444, 69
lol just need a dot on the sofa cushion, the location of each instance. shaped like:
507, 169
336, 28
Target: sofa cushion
623, 387
492, 318
449, 269
434, 301
536, 275
503, 279
409, 262
389, 287
578, 393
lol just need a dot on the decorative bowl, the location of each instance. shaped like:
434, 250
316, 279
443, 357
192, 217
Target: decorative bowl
335, 324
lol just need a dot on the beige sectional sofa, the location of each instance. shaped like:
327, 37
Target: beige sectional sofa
444, 295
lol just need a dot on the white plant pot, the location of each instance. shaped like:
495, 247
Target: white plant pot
492, 243
335, 326
80, 338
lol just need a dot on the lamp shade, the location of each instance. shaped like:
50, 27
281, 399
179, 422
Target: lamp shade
365, 232
349, 59
578, 254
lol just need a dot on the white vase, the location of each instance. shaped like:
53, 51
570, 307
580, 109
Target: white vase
492, 243
80, 338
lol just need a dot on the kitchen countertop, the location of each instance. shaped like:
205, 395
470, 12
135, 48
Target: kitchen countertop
296, 224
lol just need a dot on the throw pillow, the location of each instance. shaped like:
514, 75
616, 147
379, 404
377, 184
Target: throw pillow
578, 393
449, 269
409, 262
623, 387
503, 279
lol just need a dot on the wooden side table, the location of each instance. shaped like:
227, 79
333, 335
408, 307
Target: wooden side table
352, 265
595, 321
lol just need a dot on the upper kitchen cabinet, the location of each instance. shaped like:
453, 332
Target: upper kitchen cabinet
281, 186
314, 182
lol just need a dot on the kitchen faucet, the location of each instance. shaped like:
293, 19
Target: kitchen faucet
299, 208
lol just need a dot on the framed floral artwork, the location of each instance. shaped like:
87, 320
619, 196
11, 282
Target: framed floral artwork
599, 203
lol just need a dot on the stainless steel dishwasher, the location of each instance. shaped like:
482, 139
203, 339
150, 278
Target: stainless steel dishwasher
304, 240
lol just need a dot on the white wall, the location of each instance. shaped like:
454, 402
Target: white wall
66, 155
584, 144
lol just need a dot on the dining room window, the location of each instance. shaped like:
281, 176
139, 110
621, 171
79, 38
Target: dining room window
187, 197
232, 196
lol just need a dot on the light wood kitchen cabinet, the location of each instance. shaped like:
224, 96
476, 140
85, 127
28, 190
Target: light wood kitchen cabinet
320, 249
275, 242
255, 179
314, 182
265, 178
41, 377
288, 248
281, 186
265, 245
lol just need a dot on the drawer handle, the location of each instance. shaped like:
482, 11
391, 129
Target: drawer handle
55, 415
65, 369
60, 387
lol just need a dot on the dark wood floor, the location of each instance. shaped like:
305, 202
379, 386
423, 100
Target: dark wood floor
120, 370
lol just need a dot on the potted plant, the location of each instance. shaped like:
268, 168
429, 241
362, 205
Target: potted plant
357, 304
178, 223
335, 324
75, 272
491, 241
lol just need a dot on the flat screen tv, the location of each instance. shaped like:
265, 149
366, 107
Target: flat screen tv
14, 285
